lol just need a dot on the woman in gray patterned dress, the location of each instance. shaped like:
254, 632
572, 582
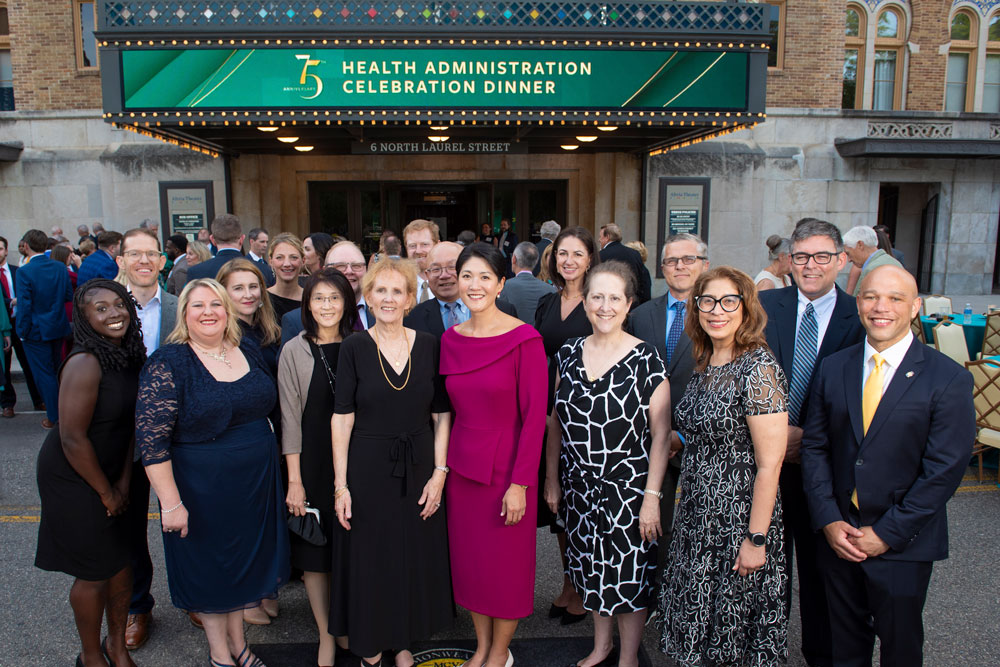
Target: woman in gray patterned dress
722, 601
610, 429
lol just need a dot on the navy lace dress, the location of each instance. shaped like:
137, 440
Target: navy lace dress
225, 464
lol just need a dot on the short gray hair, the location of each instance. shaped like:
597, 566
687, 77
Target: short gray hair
526, 254
550, 230
862, 233
677, 238
811, 228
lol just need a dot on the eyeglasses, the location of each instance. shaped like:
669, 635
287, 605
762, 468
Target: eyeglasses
729, 302
148, 254
687, 260
329, 299
438, 270
356, 267
802, 258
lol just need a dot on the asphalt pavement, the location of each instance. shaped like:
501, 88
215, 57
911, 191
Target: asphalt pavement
960, 617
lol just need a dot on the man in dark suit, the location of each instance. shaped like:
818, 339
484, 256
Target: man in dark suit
101, 263
42, 286
507, 241
549, 231
805, 324
612, 248
524, 290
227, 236
445, 309
257, 251
888, 437
660, 323
8, 397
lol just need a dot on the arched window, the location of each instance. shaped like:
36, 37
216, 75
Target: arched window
855, 29
991, 78
890, 33
959, 85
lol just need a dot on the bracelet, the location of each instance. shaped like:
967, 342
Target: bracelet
444, 469
177, 506
339, 492
658, 494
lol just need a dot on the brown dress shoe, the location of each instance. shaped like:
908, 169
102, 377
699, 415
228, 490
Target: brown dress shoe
137, 630
195, 621
46, 424
8, 412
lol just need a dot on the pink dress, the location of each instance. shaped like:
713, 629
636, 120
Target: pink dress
498, 388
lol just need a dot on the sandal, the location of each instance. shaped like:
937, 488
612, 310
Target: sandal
213, 663
246, 658
104, 650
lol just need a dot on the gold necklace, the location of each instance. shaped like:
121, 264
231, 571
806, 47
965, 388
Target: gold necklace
218, 356
409, 366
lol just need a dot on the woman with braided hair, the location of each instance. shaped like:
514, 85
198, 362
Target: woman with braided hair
84, 468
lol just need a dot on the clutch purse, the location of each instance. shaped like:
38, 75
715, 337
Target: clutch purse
308, 526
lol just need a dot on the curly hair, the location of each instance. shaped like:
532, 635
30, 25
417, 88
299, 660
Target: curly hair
749, 334
132, 352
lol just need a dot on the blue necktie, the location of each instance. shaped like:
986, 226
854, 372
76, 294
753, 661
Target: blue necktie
803, 361
676, 328
452, 309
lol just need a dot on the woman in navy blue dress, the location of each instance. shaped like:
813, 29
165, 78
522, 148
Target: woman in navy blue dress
212, 459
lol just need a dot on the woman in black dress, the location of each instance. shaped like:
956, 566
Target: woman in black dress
285, 255
307, 376
391, 425
559, 317
84, 468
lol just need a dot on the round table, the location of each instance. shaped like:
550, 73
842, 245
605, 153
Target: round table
974, 331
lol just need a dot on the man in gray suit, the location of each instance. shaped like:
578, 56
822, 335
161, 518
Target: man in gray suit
861, 247
660, 322
524, 289
141, 262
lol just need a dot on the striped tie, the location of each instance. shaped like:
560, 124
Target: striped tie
802, 363
676, 327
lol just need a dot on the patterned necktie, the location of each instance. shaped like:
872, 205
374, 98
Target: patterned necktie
803, 361
359, 324
452, 309
425, 293
676, 327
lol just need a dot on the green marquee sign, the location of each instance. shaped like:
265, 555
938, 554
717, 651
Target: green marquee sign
305, 78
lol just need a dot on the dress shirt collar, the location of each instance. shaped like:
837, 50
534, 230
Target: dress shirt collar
893, 356
363, 312
156, 297
462, 311
528, 271
252, 257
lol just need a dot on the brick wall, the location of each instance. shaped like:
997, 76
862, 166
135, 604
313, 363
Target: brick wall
43, 58
925, 87
814, 55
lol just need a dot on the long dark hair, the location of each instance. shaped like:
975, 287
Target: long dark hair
586, 238
131, 353
322, 242
336, 279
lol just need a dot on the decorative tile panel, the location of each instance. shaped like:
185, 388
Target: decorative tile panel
905, 130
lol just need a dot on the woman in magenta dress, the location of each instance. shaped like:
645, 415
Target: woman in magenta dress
496, 378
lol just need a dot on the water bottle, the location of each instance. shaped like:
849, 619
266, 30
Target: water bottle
967, 317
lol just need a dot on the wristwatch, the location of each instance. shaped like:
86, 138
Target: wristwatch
757, 539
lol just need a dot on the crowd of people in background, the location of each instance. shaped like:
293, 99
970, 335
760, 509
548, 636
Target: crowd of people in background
396, 428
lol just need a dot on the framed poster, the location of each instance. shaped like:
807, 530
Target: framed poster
683, 209
185, 207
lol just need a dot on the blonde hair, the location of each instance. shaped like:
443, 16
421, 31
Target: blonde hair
180, 334
198, 250
543, 269
263, 317
639, 247
290, 239
420, 224
404, 267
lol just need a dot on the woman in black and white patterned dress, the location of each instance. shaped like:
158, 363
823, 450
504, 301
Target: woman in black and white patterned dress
722, 601
610, 425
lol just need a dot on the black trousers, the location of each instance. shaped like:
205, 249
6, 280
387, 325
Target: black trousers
8, 397
876, 597
801, 548
136, 517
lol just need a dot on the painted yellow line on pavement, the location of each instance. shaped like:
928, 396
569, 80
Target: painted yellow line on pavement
978, 487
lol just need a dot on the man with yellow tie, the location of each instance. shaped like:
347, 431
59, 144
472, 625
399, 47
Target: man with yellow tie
886, 441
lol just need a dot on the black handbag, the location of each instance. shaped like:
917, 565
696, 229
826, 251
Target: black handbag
308, 526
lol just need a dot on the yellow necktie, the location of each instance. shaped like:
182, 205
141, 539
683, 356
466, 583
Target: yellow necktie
870, 398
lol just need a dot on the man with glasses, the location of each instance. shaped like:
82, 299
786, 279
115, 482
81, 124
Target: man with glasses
444, 310
141, 262
806, 323
347, 258
660, 323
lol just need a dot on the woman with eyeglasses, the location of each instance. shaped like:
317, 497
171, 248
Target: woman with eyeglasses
722, 597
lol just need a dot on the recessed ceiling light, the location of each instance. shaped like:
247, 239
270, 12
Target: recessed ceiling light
439, 137
569, 147
267, 128
607, 128
288, 140
304, 149
587, 139
439, 128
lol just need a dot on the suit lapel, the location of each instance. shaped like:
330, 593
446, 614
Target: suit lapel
659, 318
787, 318
434, 317
852, 391
904, 378
682, 350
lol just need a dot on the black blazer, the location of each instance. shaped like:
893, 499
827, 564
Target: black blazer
210, 267
908, 464
265, 269
427, 316
649, 322
623, 253
782, 307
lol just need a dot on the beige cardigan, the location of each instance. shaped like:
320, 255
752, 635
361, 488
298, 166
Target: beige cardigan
295, 369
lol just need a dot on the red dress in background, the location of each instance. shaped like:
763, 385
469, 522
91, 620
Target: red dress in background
498, 390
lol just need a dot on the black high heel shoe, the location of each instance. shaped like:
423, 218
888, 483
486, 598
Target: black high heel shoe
104, 650
555, 611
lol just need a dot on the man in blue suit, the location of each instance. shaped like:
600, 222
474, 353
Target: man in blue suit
887, 439
227, 235
101, 263
806, 323
43, 288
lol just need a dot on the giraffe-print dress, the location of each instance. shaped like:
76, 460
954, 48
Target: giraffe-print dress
709, 614
604, 463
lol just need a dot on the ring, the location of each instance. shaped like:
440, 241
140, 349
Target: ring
437, 505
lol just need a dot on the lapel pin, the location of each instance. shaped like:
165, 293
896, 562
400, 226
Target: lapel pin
910, 374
